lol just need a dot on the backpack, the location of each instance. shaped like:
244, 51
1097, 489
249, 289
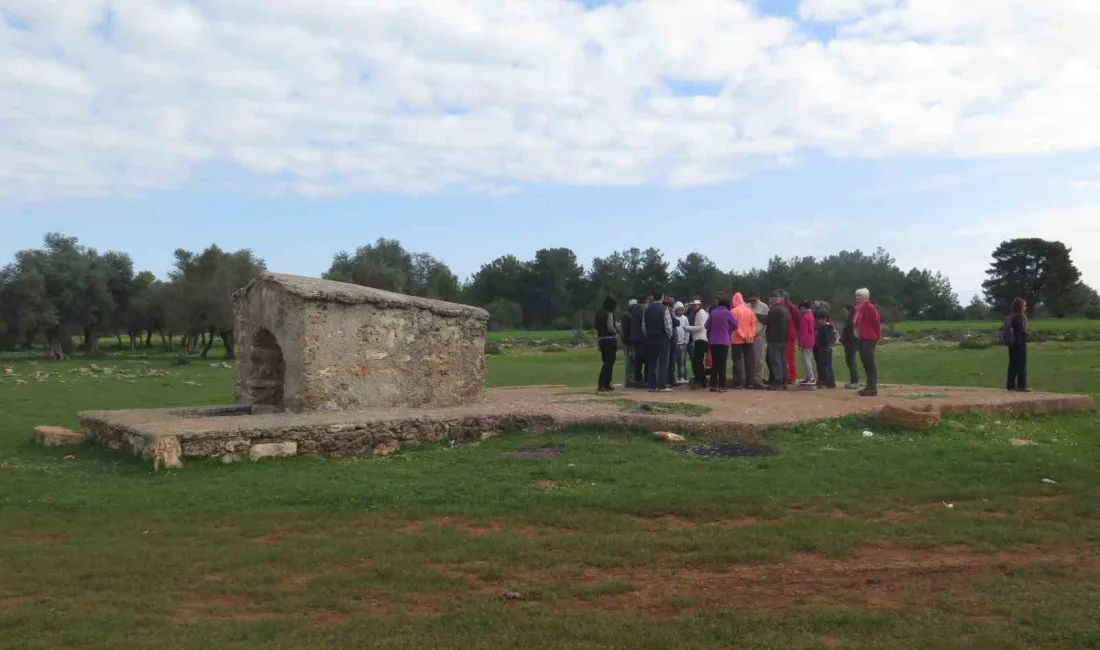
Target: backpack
1008, 332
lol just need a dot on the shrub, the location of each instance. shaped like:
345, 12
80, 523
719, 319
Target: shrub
1092, 313
492, 347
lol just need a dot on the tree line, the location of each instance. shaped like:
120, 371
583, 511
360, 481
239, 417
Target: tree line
64, 292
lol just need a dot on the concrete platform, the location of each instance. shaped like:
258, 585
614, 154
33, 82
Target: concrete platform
235, 433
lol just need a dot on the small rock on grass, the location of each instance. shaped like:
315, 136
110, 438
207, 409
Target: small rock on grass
668, 436
48, 436
1022, 442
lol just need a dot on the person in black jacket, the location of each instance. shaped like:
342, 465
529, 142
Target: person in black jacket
851, 347
607, 335
1017, 347
638, 342
779, 323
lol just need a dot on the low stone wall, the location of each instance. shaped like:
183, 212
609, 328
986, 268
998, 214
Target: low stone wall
269, 439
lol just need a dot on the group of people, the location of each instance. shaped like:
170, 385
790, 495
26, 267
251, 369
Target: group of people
662, 336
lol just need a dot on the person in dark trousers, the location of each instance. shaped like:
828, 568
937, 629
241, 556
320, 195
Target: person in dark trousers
670, 303
628, 351
720, 328
824, 338
607, 335
868, 331
1017, 336
778, 324
698, 330
638, 342
657, 326
851, 348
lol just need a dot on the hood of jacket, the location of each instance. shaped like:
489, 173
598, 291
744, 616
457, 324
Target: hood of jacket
738, 300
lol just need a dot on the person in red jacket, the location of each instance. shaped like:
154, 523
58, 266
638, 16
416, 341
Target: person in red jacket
868, 331
792, 338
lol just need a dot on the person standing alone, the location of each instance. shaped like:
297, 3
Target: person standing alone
1015, 335
608, 336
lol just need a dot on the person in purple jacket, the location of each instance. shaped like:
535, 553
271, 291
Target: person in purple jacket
720, 328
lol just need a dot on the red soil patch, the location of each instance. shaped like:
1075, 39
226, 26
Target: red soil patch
13, 601
877, 578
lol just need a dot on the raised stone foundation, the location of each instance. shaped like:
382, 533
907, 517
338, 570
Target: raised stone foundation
240, 432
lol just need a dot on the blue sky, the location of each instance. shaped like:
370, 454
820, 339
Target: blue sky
762, 136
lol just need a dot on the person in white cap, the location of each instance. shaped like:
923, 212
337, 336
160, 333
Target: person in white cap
682, 336
698, 331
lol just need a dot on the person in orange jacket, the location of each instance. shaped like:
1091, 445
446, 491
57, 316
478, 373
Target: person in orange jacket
744, 359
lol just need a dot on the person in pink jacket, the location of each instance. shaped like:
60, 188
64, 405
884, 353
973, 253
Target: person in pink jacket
807, 331
744, 359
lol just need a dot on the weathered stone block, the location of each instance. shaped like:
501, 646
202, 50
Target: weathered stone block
56, 436
273, 450
315, 345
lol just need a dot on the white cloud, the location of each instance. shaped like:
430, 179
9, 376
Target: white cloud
329, 98
1078, 227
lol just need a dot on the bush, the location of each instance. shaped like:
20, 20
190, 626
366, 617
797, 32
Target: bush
492, 347
561, 323
1092, 313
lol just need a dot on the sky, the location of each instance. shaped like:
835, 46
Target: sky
470, 129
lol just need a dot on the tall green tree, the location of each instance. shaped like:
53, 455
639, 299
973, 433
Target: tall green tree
201, 296
1036, 270
385, 265
696, 274
555, 288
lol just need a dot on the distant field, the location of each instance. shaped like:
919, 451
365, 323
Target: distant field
545, 335
1041, 325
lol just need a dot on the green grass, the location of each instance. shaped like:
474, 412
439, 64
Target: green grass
415, 550
1040, 325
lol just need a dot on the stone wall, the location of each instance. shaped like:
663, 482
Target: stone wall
305, 344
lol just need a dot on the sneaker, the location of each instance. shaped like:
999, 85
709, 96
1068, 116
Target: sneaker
852, 386
664, 390
867, 392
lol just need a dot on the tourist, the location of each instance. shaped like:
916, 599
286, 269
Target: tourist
760, 309
670, 304
1016, 335
778, 323
744, 361
720, 328
638, 342
851, 348
682, 336
701, 345
807, 329
824, 339
792, 337
868, 331
629, 359
657, 328
607, 336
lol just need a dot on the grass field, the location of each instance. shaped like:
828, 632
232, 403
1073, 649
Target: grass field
837, 541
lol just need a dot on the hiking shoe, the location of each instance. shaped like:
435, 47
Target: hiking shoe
867, 392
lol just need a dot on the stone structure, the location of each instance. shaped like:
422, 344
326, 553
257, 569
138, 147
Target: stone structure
314, 345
